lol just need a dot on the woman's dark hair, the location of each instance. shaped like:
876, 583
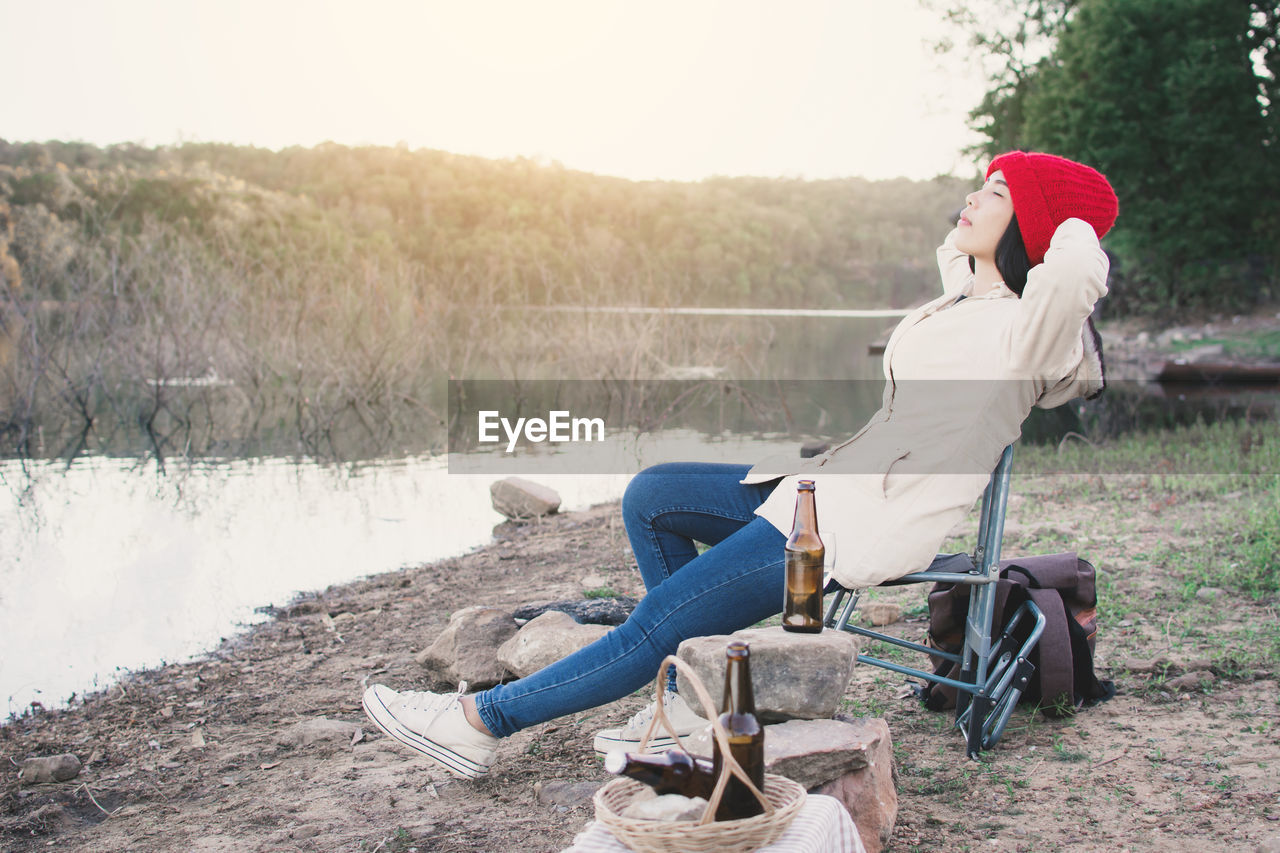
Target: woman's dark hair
1011, 258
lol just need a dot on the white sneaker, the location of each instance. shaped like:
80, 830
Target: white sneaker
627, 738
433, 724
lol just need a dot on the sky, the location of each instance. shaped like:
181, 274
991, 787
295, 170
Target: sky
655, 89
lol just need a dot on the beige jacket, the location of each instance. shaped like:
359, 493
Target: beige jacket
960, 379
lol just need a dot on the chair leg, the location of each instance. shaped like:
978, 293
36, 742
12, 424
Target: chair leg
979, 707
988, 712
963, 697
994, 725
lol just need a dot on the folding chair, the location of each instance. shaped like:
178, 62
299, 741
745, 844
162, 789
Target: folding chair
993, 673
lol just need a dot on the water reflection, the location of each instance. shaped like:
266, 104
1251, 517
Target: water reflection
114, 565
110, 564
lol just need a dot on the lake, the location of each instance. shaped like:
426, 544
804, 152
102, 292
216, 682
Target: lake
124, 551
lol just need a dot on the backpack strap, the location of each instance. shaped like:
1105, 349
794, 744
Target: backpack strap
1051, 571
1057, 671
1046, 578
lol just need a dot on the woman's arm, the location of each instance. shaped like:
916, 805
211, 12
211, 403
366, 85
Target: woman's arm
953, 264
1060, 294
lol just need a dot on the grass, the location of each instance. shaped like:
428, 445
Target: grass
1197, 507
1062, 753
1239, 552
1264, 344
1197, 459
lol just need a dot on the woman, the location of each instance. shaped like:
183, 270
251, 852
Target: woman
1021, 272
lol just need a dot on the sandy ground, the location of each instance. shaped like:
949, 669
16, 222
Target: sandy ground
205, 756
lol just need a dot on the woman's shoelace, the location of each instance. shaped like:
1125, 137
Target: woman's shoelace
438, 702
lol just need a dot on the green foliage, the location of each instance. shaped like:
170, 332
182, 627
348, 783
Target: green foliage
1259, 345
1171, 99
331, 289
1231, 466
1200, 458
164, 199
518, 232
1162, 96
37, 188
1012, 38
1242, 554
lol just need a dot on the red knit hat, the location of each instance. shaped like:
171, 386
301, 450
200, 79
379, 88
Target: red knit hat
1048, 190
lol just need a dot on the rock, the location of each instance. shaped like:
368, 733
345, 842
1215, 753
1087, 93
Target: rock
1197, 679
560, 793
48, 819
593, 581
49, 768
1148, 665
814, 448
467, 649
545, 640
320, 729
518, 499
795, 675
869, 794
1208, 593
812, 752
589, 611
879, 613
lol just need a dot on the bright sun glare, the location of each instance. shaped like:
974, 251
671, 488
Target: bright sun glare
816, 88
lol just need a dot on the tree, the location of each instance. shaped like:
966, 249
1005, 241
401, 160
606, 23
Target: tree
1010, 39
1172, 99
1162, 96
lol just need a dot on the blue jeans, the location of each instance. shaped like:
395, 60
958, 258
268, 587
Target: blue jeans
733, 585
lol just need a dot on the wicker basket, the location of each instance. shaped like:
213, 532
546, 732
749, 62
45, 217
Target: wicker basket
782, 798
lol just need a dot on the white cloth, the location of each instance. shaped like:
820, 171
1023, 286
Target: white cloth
823, 825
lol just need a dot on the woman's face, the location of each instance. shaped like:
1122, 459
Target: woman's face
986, 215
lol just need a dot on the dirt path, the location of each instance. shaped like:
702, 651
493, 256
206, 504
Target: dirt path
209, 755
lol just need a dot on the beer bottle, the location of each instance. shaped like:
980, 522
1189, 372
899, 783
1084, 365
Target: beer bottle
802, 600
672, 772
746, 736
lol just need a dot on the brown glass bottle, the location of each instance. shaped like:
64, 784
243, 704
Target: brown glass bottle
672, 772
746, 736
802, 598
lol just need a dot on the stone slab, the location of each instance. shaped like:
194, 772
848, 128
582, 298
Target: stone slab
795, 676
870, 794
